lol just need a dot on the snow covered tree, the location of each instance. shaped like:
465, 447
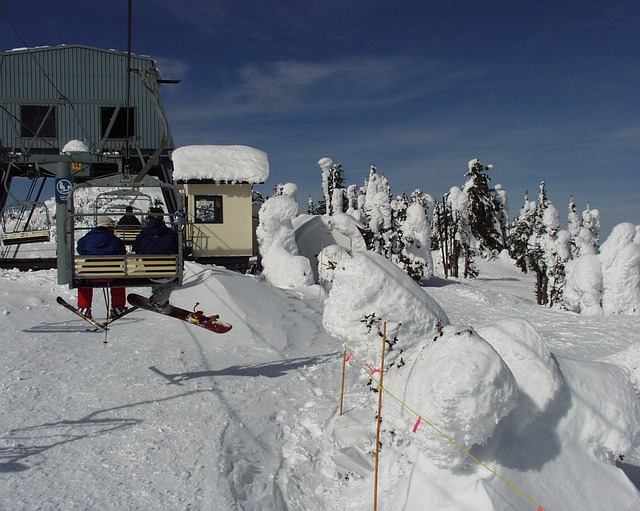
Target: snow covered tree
283, 266
584, 230
573, 226
325, 166
352, 199
520, 232
396, 239
377, 211
573, 219
338, 193
332, 186
482, 210
548, 252
501, 201
455, 239
446, 236
257, 197
589, 230
559, 255
536, 248
620, 258
414, 237
459, 201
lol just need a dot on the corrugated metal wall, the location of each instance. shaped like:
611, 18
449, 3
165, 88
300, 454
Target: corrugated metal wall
79, 80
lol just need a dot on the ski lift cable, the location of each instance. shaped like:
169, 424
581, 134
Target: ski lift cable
128, 127
6, 184
165, 128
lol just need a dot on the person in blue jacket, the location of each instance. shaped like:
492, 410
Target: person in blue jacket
101, 241
157, 238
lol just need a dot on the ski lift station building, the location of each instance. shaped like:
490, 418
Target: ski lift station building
110, 101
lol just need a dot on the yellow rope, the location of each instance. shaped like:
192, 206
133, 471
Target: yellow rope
442, 434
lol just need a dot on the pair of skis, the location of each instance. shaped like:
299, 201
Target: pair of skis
196, 318
97, 325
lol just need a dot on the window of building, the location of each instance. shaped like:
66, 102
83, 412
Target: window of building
117, 119
208, 209
38, 120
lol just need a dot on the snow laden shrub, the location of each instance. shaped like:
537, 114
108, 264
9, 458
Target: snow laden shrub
328, 261
283, 267
529, 360
620, 259
458, 383
369, 289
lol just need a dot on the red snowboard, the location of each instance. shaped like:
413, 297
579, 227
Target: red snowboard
197, 318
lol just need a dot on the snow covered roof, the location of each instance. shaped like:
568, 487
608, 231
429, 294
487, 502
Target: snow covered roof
32, 49
230, 163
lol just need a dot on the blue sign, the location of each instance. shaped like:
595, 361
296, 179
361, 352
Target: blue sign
63, 186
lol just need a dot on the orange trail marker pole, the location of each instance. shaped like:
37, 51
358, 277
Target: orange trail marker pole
344, 366
375, 484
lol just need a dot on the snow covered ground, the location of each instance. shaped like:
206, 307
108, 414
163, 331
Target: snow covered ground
167, 416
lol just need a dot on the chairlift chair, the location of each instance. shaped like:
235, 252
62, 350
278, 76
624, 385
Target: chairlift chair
21, 224
119, 270
114, 203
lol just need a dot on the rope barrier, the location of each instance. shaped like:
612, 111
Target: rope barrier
420, 418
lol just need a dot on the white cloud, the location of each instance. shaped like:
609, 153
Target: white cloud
294, 87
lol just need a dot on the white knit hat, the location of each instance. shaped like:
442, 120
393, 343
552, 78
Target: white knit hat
105, 221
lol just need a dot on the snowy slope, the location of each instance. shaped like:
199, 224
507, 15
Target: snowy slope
167, 416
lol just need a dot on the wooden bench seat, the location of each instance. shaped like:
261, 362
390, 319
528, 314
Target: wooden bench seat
129, 266
15, 238
127, 234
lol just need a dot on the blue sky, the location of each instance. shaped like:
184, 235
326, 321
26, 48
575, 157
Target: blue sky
545, 91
